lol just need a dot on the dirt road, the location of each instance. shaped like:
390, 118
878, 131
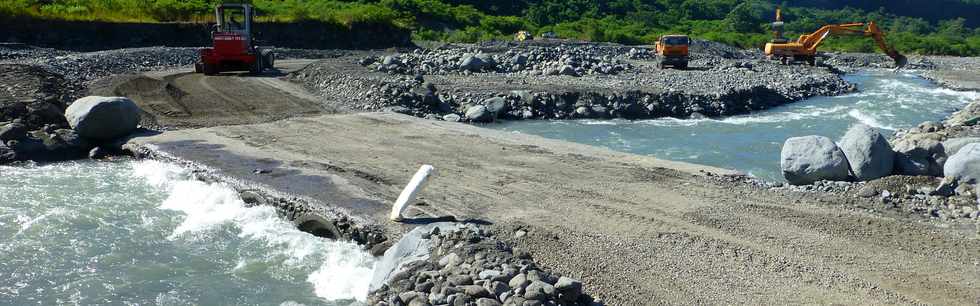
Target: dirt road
183, 99
636, 230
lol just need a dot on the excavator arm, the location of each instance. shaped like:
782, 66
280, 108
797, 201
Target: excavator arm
810, 42
879, 37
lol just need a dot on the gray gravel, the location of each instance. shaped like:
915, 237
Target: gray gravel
467, 266
723, 81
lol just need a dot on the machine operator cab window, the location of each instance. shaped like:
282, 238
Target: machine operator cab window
233, 18
676, 40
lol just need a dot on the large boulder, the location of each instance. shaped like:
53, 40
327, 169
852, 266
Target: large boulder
954, 145
964, 166
539, 290
568, 289
808, 159
525, 97
968, 116
868, 152
920, 154
42, 113
7, 155
63, 144
488, 60
479, 113
472, 63
103, 118
497, 105
13, 131
59, 145
390, 60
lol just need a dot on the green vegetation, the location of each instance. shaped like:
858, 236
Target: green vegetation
936, 27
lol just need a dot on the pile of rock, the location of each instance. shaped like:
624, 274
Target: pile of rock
560, 60
97, 125
932, 169
728, 81
522, 104
863, 155
454, 264
80, 68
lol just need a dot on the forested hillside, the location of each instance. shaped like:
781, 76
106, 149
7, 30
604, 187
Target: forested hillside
914, 26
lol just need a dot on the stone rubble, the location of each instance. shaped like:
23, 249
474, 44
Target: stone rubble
469, 266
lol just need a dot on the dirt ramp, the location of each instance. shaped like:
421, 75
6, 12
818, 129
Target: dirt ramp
189, 100
157, 97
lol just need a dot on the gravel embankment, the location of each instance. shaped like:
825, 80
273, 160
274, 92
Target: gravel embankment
563, 82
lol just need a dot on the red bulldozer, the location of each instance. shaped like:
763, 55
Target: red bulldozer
234, 46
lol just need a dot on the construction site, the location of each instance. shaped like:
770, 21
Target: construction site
328, 139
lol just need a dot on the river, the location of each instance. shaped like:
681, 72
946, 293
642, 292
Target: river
145, 233
752, 143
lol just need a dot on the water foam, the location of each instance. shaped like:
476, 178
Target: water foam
869, 120
344, 270
774, 117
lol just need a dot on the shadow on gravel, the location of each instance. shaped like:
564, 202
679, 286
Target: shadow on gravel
270, 73
430, 220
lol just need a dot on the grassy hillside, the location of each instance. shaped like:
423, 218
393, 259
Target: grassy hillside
924, 27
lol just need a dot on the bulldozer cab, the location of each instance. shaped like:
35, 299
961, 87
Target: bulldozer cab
234, 18
234, 46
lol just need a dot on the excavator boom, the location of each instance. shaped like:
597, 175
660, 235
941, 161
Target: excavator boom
806, 46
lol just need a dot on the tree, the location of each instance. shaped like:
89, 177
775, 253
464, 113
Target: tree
953, 27
748, 16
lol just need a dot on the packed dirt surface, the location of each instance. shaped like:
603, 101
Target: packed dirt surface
183, 99
635, 229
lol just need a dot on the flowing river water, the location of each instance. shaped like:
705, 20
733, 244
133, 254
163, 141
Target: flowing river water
145, 233
752, 143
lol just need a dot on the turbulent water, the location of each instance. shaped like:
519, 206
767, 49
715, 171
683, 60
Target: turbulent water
144, 233
752, 143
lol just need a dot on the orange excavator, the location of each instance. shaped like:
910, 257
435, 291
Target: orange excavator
804, 49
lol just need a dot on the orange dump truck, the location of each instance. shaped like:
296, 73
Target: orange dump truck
673, 51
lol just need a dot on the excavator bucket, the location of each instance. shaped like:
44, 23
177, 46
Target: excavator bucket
900, 61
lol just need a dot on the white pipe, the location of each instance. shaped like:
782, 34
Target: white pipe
411, 190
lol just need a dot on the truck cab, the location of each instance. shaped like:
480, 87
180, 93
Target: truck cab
673, 51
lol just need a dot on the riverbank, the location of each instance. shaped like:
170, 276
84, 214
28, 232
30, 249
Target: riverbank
552, 191
481, 83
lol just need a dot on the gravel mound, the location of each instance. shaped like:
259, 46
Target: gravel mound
467, 266
564, 82
564, 60
16, 51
